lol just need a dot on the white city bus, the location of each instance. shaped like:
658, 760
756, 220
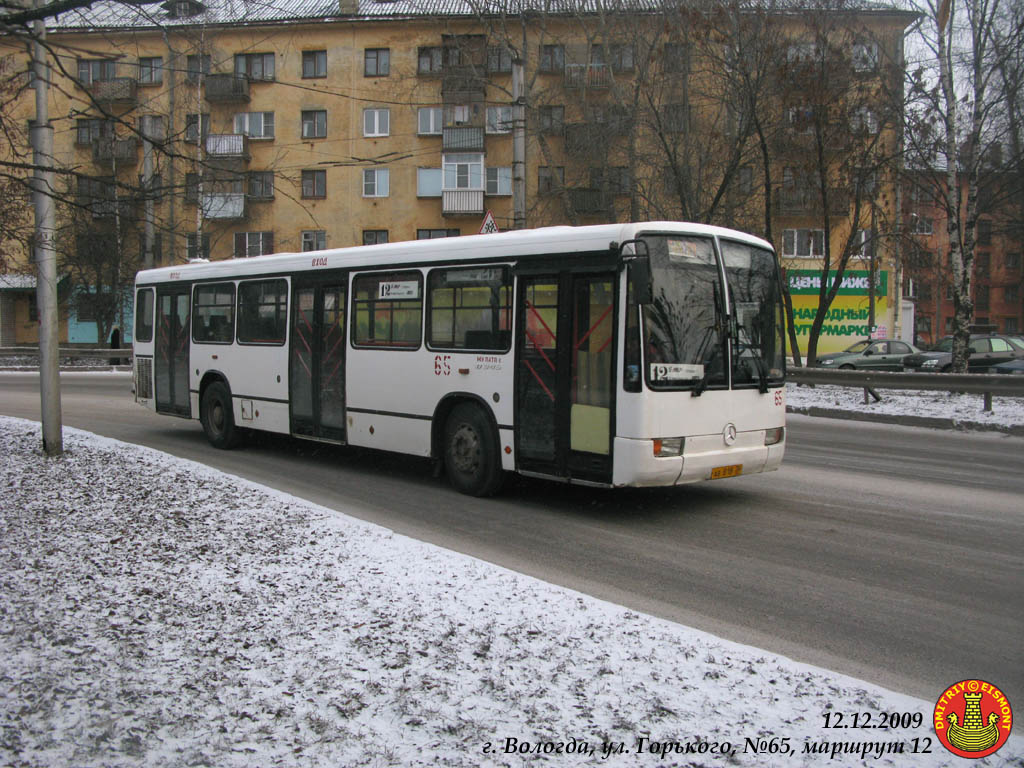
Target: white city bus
641, 354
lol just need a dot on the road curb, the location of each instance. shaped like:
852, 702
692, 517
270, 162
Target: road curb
68, 368
929, 422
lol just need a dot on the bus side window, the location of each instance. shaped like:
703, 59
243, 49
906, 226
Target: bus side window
470, 309
144, 315
631, 377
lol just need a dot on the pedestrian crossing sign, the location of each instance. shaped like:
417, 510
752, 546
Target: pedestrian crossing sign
488, 227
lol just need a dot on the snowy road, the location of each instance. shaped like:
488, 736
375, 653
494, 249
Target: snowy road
836, 560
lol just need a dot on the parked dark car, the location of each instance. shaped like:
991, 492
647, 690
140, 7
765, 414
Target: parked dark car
1013, 368
985, 351
870, 355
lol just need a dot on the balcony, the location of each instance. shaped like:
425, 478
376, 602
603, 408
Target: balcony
109, 151
465, 81
806, 201
117, 90
462, 202
227, 150
227, 88
588, 76
586, 200
223, 206
463, 138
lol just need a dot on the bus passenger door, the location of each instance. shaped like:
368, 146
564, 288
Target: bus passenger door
564, 375
317, 360
173, 318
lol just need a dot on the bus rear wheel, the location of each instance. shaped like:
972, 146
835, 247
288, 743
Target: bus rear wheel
470, 452
218, 418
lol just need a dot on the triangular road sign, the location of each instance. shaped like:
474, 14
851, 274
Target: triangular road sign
488, 227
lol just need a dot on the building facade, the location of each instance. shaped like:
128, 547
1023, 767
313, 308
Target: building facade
195, 132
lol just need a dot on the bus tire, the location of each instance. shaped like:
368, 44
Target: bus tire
470, 452
217, 416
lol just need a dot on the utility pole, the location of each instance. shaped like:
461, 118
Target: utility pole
518, 146
45, 254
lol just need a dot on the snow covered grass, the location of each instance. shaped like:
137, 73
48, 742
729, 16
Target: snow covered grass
155, 612
961, 408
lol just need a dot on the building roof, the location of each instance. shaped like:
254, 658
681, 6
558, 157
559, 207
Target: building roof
115, 14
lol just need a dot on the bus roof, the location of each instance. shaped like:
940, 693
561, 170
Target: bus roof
512, 245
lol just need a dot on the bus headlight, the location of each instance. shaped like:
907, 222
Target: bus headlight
668, 446
774, 435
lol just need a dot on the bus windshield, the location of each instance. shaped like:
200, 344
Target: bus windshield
686, 330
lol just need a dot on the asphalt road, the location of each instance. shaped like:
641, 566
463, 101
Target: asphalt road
889, 553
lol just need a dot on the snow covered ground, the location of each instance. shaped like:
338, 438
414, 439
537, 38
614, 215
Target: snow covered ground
154, 612
961, 408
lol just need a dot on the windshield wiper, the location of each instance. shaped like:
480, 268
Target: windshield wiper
762, 370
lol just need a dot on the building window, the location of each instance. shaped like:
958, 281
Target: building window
151, 70
981, 264
1010, 325
314, 123
262, 310
463, 171
1012, 262
387, 310
1011, 294
261, 185
88, 130
499, 181
549, 179
94, 70
375, 236
375, 182
213, 313
620, 56
196, 127
552, 58
745, 180
864, 120
615, 178
470, 308
551, 119
676, 59
314, 184
196, 248
255, 125
864, 56
920, 225
499, 119
499, 60
803, 243
459, 114
433, 234
676, 118
255, 66
376, 122
196, 65
429, 60
801, 118
801, 53
981, 297
429, 182
191, 187
253, 244
376, 62
430, 121
984, 232
314, 239
314, 63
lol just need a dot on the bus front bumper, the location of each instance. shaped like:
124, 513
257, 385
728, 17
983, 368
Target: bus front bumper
705, 457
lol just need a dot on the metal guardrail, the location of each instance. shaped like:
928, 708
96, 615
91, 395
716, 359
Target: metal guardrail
985, 384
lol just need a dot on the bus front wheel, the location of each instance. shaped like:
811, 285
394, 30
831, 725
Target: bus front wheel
470, 452
218, 417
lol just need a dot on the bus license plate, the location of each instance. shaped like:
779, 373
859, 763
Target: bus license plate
733, 470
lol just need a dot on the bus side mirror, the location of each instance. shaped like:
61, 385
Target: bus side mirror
640, 274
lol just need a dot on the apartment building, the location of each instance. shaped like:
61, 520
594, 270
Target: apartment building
219, 130
998, 285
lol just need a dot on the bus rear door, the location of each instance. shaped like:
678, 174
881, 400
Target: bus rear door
317, 358
173, 318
